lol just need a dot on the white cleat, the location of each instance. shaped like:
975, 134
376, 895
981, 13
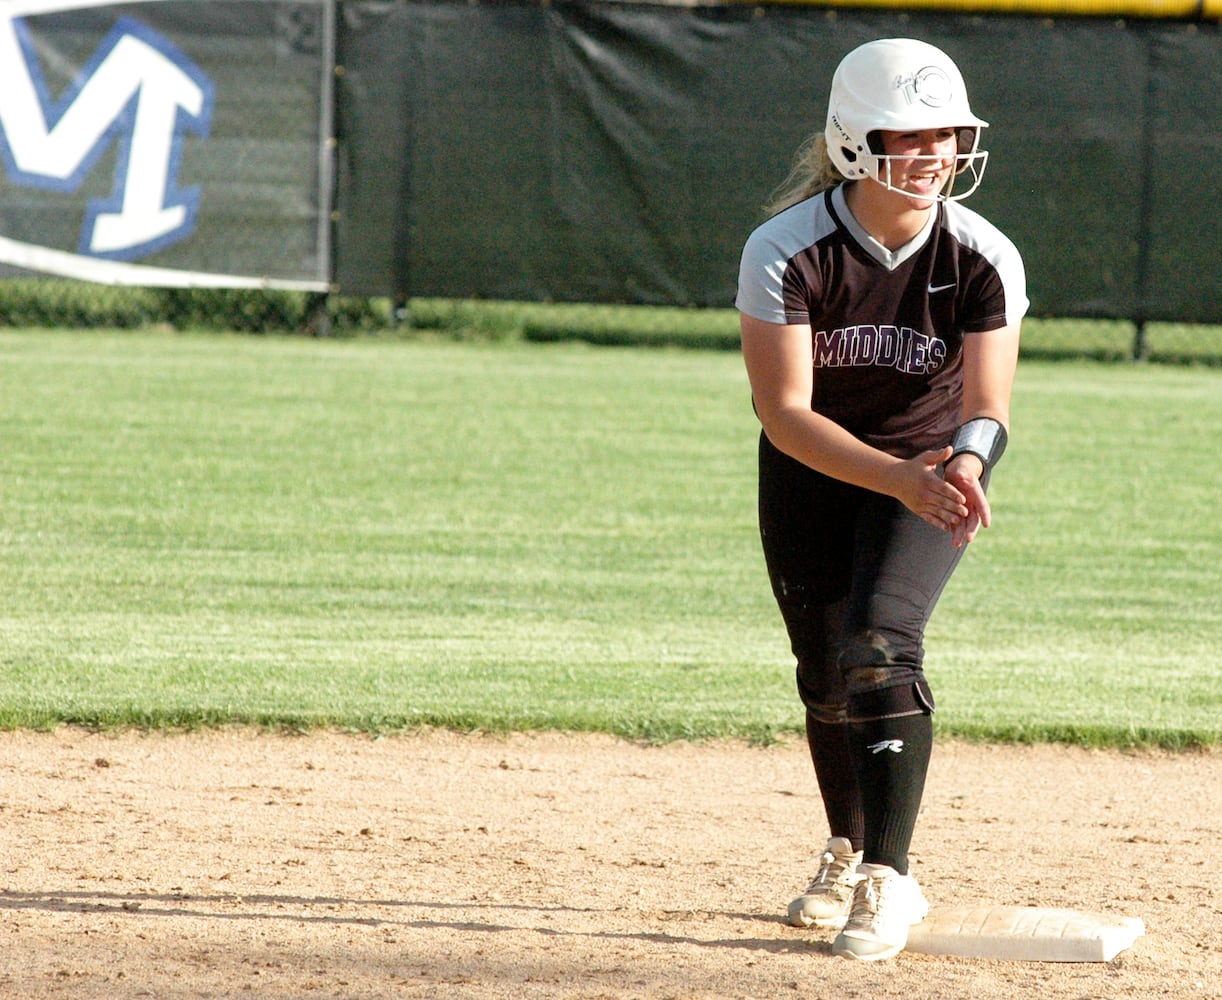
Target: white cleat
885, 905
826, 901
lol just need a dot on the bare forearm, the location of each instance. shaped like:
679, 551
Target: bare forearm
826, 447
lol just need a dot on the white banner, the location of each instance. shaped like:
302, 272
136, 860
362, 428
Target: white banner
176, 143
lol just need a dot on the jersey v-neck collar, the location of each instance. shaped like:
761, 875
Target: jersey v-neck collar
890, 259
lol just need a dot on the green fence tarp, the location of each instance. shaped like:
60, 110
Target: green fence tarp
616, 153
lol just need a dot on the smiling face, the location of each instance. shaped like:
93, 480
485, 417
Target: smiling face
918, 164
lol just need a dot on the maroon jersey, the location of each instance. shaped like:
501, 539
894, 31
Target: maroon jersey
887, 326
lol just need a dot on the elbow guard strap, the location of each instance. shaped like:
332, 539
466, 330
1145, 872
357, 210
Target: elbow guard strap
983, 437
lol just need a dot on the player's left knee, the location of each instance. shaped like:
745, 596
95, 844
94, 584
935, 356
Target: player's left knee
904, 692
866, 649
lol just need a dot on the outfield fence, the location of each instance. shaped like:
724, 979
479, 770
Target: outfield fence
324, 165
61, 304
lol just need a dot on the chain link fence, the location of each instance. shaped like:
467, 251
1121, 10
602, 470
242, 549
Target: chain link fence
65, 304
55, 303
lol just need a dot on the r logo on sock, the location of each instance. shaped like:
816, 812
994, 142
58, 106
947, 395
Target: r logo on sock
895, 746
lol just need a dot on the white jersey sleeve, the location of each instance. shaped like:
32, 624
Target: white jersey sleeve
978, 234
767, 255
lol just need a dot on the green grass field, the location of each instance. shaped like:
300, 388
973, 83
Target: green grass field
383, 533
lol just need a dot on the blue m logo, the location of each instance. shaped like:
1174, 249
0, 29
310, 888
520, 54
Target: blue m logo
138, 92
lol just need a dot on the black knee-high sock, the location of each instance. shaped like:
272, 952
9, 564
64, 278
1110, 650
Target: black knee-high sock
829, 752
890, 759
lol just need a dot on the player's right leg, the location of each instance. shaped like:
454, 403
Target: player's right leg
806, 527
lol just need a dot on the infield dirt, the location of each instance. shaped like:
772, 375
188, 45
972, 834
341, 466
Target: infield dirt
438, 865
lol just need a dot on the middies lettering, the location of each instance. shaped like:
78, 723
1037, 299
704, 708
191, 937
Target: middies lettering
900, 347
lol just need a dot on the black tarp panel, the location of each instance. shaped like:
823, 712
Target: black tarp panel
445, 170
610, 153
1182, 273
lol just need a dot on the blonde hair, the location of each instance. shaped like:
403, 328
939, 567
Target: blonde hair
813, 171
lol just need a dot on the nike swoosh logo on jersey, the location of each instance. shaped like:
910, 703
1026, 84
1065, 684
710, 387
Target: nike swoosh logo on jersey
940, 288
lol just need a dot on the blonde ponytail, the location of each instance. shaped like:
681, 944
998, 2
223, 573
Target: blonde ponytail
813, 171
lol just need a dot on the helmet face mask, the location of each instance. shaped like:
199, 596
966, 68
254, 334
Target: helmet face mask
968, 160
900, 85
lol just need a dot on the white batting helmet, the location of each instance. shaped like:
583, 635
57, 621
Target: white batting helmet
899, 85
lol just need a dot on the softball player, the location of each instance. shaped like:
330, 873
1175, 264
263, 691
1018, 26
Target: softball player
880, 327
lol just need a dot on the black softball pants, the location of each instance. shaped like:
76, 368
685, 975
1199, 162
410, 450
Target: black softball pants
856, 576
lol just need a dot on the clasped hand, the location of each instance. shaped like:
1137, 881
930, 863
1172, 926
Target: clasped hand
950, 498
